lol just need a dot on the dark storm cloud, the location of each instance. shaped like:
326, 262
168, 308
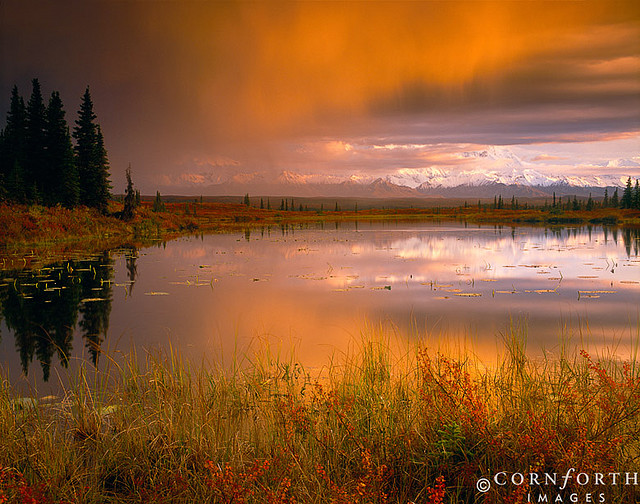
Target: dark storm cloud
144, 88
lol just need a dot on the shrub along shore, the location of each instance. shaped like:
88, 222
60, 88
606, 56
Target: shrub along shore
52, 232
375, 426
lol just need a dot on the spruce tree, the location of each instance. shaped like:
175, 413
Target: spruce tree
627, 197
85, 134
129, 197
590, 203
3, 189
35, 162
103, 185
605, 201
614, 199
158, 205
61, 184
636, 196
13, 148
91, 157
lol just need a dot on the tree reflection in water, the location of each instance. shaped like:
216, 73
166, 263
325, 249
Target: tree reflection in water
43, 308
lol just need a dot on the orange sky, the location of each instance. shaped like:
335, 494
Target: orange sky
242, 80
283, 65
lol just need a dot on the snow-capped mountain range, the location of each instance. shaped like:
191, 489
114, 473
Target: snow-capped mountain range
494, 171
423, 179
501, 166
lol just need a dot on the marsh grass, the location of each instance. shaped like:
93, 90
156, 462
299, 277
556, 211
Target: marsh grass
382, 423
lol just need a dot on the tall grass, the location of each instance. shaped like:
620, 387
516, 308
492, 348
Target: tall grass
377, 425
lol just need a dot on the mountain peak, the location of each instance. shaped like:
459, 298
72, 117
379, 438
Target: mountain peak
288, 177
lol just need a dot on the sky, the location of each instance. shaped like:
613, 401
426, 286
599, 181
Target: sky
192, 92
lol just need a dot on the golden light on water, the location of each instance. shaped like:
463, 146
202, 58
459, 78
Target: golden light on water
456, 289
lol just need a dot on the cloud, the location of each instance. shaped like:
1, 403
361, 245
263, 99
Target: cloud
249, 79
338, 147
547, 157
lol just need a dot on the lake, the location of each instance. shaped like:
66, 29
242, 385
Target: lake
316, 288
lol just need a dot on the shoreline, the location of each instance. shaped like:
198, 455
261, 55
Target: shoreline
52, 233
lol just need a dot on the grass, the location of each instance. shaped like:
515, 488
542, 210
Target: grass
377, 425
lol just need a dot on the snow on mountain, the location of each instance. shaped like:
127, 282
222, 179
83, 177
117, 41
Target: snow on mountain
413, 177
482, 172
498, 165
500, 158
525, 177
381, 188
593, 181
416, 183
245, 178
287, 177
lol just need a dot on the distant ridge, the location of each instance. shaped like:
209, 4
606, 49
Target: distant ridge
495, 171
387, 188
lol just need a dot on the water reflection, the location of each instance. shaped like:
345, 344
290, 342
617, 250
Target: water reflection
44, 308
314, 285
132, 268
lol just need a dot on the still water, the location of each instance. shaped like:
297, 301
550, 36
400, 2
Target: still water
316, 288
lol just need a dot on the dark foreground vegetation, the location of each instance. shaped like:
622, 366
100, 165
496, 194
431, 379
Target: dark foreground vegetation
376, 426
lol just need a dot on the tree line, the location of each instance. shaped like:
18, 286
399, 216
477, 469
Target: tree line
286, 205
629, 200
630, 196
42, 162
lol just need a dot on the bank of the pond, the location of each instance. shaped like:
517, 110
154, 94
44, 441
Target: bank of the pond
374, 427
52, 233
